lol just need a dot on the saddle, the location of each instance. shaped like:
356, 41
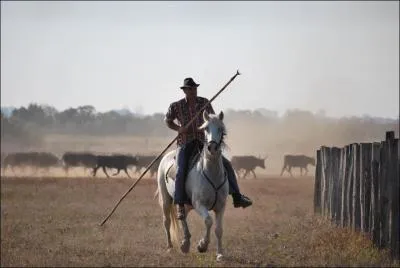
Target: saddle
171, 171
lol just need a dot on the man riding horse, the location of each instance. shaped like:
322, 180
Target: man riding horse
191, 139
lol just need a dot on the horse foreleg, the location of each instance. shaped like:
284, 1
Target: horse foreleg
185, 244
219, 215
208, 221
306, 171
301, 171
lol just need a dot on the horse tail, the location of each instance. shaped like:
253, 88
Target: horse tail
174, 230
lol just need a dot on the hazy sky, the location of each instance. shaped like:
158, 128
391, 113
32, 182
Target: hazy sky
342, 57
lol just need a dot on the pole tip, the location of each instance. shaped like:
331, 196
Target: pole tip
237, 72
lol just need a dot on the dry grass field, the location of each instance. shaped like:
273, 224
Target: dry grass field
54, 221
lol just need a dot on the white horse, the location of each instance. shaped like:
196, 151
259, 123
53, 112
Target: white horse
206, 185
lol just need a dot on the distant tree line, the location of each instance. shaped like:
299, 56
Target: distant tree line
33, 122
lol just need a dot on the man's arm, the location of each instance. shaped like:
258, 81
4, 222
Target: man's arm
172, 125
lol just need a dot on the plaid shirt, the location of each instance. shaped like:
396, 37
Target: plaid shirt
181, 111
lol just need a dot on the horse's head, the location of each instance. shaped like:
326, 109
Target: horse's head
214, 131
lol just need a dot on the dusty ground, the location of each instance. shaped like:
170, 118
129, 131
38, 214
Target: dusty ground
53, 221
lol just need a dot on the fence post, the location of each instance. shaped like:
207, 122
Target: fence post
344, 209
384, 194
335, 184
396, 208
342, 168
350, 178
365, 189
394, 196
329, 167
356, 187
325, 180
317, 184
331, 186
375, 199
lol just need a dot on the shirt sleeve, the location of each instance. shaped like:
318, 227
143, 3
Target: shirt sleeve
171, 114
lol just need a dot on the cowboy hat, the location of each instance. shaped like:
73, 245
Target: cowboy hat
189, 83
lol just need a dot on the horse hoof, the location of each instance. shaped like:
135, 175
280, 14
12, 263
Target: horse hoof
185, 246
202, 246
169, 249
220, 257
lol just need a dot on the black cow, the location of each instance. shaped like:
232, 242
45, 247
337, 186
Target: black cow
301, 161
144, 161
247, 163
32, 159
85, 160
116, 161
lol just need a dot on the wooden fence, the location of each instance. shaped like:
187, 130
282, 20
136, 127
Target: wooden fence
358, 186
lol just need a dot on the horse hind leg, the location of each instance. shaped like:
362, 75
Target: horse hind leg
208, 221
169, 213
166, 208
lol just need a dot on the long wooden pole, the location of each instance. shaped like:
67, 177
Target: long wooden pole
166, 148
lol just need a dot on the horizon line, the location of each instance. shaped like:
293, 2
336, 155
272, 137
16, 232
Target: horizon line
278, 113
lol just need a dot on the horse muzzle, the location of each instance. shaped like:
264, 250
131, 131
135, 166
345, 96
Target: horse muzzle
213, 147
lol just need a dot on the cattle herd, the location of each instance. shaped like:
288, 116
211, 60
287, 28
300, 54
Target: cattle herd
242, 165
85, 160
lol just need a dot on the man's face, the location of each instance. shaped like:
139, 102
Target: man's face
190, 92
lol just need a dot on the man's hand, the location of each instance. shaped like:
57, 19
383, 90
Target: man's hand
182, 130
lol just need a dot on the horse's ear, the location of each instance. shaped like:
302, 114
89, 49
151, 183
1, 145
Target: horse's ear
221, 115
206, 116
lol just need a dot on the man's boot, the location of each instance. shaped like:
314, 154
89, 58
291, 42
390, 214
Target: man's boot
240, 200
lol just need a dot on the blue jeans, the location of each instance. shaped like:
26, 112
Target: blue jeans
182, 155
